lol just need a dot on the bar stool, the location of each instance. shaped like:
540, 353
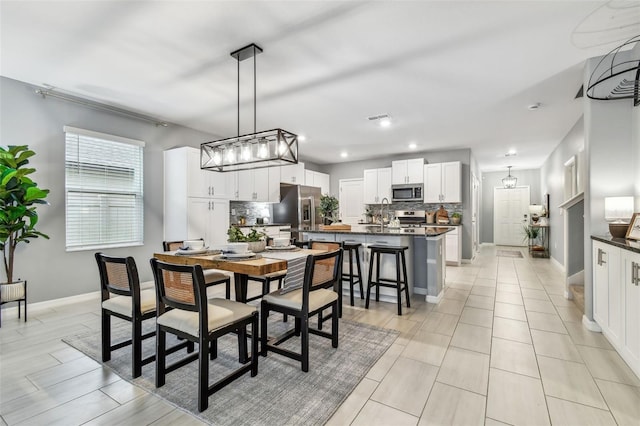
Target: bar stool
352, 247
399, 283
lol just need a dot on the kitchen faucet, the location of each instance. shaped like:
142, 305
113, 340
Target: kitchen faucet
382, 213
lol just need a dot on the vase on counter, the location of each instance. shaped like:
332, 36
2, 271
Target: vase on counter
257, 246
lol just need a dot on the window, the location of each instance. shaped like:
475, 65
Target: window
104, 204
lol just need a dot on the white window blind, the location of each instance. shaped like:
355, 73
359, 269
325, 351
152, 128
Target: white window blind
104, 190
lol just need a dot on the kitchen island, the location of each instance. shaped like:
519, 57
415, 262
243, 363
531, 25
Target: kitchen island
425, 260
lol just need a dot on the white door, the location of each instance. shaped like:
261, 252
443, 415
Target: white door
351, 202
509, 209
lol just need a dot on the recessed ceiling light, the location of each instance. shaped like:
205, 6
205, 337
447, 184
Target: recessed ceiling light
412, 145
511, 153
534, 107
385, 122
344, 154
302, 138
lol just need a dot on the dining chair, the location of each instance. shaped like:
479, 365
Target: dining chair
328, 246
211, 276
321, 272
267, 279
123, 298
185, 311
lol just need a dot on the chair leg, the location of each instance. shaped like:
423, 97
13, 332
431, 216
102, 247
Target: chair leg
399, 284
25, 308
359, 273
227, 293
351, 277
264, 314
366, 303
136, 348
297, 326
203, 375
243, 356
406, 280
18, 309
106, 336
254, 344
213, 349
161, 339
334, 327
378, 277
320, 320
305, 342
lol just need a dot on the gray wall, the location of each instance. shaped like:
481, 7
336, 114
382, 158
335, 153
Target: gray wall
355, 170
26, 118
491, 180
552, 175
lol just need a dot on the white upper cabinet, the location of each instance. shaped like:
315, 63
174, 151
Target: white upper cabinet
317, 179
258, 185
442, 182
200, 183
377, 185
293, 174
407, 171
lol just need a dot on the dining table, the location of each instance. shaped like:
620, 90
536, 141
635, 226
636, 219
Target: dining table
263, 263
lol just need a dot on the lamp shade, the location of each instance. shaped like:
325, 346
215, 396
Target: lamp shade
536, 209
618, 209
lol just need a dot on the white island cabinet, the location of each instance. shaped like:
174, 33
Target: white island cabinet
616, 297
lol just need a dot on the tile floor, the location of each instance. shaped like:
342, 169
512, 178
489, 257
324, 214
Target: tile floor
502, 347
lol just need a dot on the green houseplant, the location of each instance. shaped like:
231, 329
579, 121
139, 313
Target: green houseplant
328, 208
456, 217
19, 197
255, 238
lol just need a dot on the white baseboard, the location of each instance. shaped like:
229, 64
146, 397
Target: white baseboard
467, 261
556, 263
54, 303
577, 278
591, 325
435, 299
419, 290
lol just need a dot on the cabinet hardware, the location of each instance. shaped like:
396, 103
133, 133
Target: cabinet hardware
601, 261
634, 273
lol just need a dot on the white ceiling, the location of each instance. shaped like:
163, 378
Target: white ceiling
452, 74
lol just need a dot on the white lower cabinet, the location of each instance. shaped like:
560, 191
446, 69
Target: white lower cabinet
616, 299
204, 218
453, 247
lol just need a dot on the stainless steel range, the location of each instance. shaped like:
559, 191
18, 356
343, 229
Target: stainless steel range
411, 218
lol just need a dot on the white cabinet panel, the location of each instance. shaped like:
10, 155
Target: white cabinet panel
601, 283
407, 171
208, 219
202, 183
442, 182
293, 174
319, 180
630, 279
258, 185
377, 185
453, 247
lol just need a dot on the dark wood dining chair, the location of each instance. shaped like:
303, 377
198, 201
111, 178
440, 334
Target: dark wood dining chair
181, 288
318, 292
211, 276
328, 246
123, 298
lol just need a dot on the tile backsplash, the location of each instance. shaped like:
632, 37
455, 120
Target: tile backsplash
250, 210
416, 205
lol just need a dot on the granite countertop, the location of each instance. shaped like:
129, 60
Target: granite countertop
375, 230
624, 244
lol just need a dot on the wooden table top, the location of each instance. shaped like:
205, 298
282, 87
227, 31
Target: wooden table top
265, 265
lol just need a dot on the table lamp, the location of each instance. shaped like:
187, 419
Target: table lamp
618, 212
536, 210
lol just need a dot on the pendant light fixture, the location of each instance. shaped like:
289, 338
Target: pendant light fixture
255, 150
510, 181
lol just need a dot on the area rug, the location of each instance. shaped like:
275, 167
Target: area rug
281, 394
508, 253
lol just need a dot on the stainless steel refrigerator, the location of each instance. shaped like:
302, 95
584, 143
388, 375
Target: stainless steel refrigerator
300, 206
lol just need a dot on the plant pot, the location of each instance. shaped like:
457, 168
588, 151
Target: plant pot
257, 246
455, 220
10, 292
327, 221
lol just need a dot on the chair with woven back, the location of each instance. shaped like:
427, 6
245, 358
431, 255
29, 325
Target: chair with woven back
122, 297
211, 276
267, 279
199, 320
328, 246
318, 292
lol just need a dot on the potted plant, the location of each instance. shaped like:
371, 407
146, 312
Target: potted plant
19, 197
531, 233
328, 208
456, 218
255, 238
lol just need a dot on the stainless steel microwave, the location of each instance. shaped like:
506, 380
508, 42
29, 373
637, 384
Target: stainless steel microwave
407, 192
